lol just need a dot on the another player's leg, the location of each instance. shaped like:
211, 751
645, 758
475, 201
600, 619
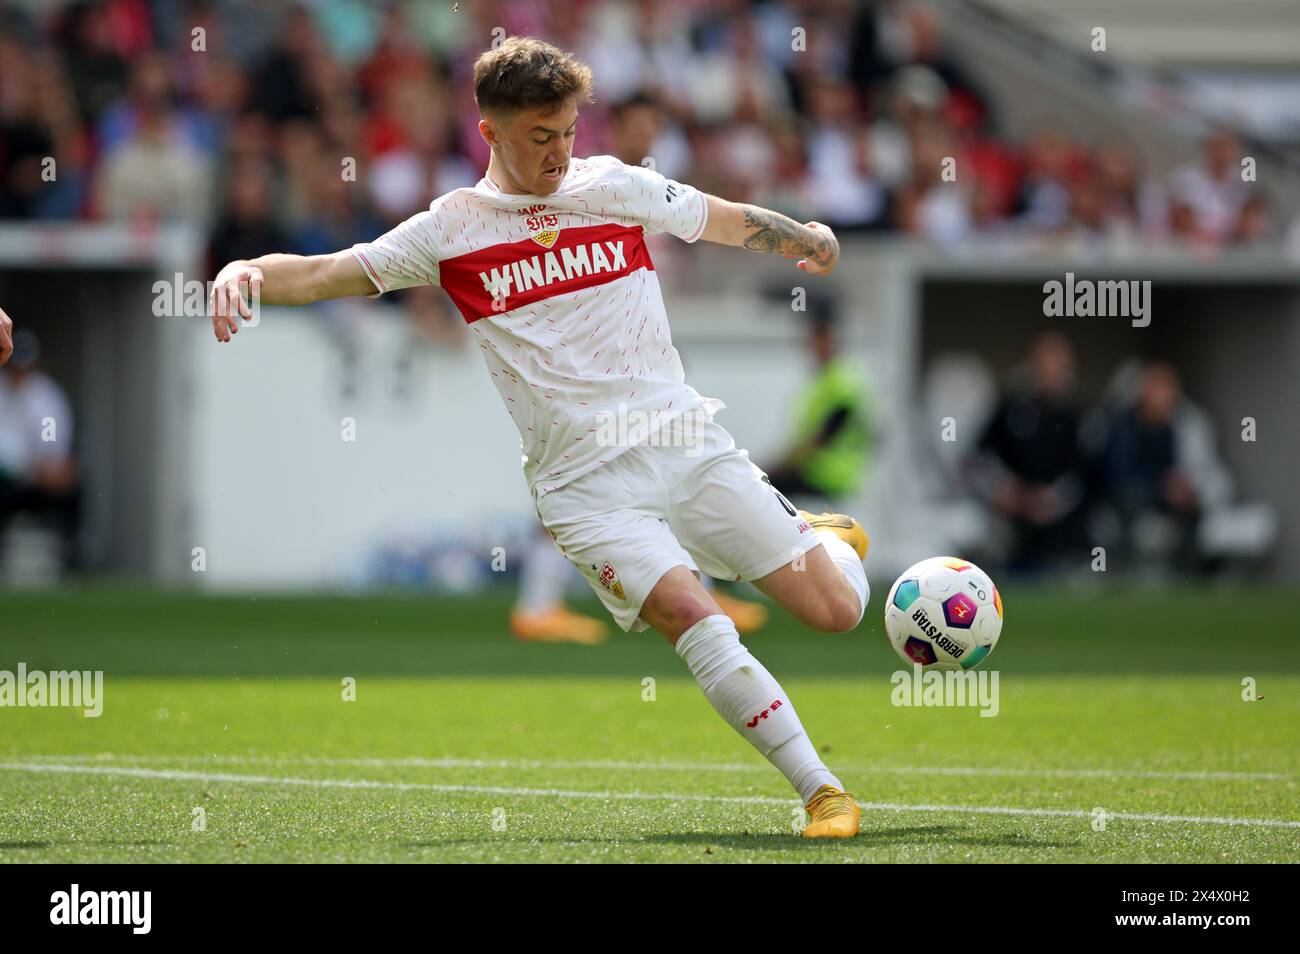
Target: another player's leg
539, 613
748, 697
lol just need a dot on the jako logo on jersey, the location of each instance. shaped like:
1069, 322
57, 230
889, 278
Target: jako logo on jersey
515, 273
763, 715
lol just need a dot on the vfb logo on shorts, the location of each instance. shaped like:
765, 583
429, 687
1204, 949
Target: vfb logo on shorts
608, 577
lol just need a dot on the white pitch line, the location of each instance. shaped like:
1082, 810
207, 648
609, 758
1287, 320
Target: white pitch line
418, 762
179, 775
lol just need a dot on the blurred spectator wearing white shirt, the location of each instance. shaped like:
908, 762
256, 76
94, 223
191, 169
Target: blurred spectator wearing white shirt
37, 470
639, 128
1210, 194
846, 192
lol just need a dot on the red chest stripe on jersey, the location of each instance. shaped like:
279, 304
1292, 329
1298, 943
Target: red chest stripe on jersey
523, 272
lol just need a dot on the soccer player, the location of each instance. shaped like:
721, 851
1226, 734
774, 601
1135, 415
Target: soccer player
546, 260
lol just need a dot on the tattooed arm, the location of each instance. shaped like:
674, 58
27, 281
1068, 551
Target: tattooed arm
762, 230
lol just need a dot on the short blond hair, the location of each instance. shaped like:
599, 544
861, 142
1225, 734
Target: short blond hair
527, 73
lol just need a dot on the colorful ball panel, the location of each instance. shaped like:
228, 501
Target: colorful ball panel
919, 651
905, 593
960, 611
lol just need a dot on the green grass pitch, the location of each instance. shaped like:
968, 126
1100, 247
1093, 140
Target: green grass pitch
463, 745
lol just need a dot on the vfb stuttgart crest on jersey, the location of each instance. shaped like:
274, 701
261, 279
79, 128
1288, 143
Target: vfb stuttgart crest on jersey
545, 229
608, 577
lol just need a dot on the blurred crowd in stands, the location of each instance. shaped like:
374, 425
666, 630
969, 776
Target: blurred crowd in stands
243, 115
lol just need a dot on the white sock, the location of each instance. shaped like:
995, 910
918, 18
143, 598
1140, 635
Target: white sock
752, 702
544, 576
846, 558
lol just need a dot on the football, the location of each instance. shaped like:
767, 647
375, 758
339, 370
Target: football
943, 613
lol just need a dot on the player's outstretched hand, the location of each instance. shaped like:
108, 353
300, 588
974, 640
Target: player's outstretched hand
6, 337
227, 302
824, 251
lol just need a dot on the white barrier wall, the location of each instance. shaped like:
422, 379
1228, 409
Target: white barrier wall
280, 497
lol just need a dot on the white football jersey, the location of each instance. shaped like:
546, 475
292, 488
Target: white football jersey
563, 297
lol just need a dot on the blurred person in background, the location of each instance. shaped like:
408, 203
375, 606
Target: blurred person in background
152, 98
927, 206
643, 45
154, 170
399, 54
641, 128
1052, 161
1032, 467
338, 214
830, 42
791, 184
1130, 203
296, 146
844, 188
1255, 221
1182, 225
1161, 470
914, 96
43, 148
419, 161
733, 80
912, 32
831, 444
38, 474
737, 92
1091, 227
635, 124
99, 44
283, 78
247, 227
1207, 196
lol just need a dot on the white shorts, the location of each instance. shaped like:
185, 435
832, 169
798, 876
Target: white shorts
705, 506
